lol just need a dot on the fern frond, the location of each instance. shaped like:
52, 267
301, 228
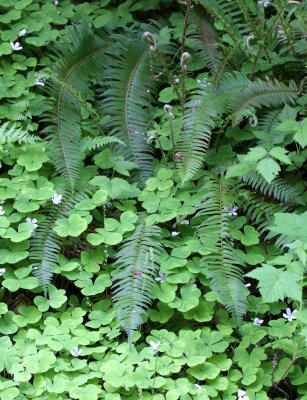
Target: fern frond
134, 275
199, 120
221, 266
127, 101
206, 39
77, 62
232, 19
12, 134
261, 93
46, 245
279, 189
92, 143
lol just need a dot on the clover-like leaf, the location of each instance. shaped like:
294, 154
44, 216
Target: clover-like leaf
72, 226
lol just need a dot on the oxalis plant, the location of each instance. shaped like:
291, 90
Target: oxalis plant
152, 216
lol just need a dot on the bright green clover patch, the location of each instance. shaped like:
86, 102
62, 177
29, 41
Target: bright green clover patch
24, 232
72, 226
7, 325
56, 299
98, 286
189, 298
11, 253
20, 278
27, 315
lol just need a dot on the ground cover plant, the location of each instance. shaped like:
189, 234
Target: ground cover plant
153, 204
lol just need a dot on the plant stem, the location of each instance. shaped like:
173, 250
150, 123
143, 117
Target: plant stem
172, 137
286, 371
154, 380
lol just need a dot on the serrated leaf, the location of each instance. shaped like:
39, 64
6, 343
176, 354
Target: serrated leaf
268, 168
255, 154
280, 154
276, 284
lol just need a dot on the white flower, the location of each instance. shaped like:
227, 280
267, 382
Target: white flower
264, 2
22, 32
56, 2
2, 212
39, 82
232, 210
289, 314
242, 395
32, 222
197, 386
175, 233
16, 46
161, 277
56, 198
154, 346
2, 271
258, 322
248, 285
76, 351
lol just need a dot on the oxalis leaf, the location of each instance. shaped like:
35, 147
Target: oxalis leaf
276, 284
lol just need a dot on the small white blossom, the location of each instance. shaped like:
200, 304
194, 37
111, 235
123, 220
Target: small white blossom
242, 395
22, 32
56, 198
175, 233
2, 271
161, 277
16, 46
154, 346
32, 222
258, 322
264, 2
289, 314
76, 351
248, 285
233, 210
197, 386
151, 139
2, 212
56, 2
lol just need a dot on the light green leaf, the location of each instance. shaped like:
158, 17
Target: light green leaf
268, 168
280, 154
255, 154
276, 284
72, 226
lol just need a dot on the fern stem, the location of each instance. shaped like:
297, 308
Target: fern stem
266, 36
185, 26
154, 380
171, 130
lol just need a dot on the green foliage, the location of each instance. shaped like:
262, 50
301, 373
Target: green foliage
135, 269
152, 161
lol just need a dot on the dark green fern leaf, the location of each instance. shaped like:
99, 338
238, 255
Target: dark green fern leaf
46, 245
76, 62
135, 269
221, 265
279, 189
127, 101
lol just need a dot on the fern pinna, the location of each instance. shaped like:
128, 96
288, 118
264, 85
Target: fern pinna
221, 265
135, 269
46, 244
127, 100
68, 83
235, 97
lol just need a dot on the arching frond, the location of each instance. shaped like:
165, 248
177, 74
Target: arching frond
134, 281
221, 266
206, 39
279, 189
46, 245
261, 94
77, 61
127, 101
